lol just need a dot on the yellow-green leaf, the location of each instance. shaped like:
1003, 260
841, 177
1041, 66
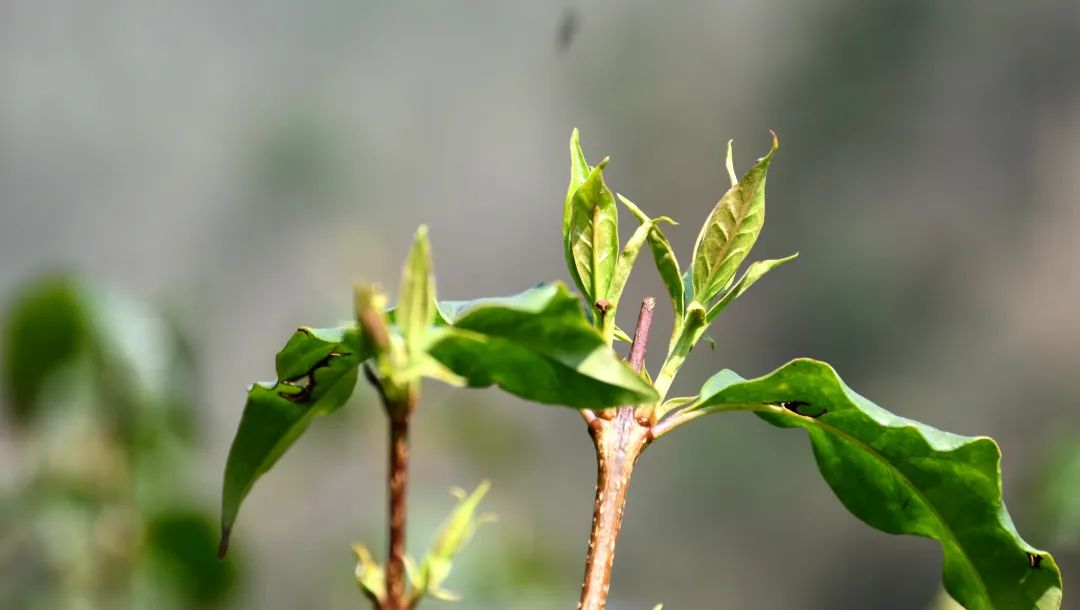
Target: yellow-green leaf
416, 303
754, 273
730, 231
593, 237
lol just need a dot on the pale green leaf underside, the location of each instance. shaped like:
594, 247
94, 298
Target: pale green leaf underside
539, 346
904, 477
730, 231
663, 255
628, 255
317, 372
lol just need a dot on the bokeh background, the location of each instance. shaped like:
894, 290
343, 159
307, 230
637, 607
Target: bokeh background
235, 167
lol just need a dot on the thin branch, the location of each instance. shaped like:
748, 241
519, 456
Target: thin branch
397, 482
398, 412
641, 334
674, 421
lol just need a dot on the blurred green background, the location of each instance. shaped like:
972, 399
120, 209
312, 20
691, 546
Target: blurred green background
233, 168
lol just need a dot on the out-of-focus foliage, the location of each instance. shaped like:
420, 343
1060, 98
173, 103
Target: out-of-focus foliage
97, 388
1059, 493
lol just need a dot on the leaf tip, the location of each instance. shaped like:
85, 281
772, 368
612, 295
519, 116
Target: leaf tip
422, 239
602, 165
729, 163
223, 545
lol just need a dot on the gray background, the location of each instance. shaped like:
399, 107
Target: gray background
241, 164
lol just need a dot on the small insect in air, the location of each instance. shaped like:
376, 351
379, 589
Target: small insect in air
568, 27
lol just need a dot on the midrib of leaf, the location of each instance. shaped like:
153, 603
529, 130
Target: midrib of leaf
585, 248
892, 468
597, 254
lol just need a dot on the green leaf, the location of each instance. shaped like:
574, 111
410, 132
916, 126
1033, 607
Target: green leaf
369, 575
688, 287
593, 238
416, 303
627, 258
754, 273
663, 255
1058, 494
454, 534
45, 329
70, 343
729, 164
539, 346
730, 231
179, 544
904, 477
317, 372
579, 172
452, 311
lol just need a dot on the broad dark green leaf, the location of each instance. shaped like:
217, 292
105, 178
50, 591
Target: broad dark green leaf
46, 328
539, 346
136, 361
593, 238
730, 231
179, 545
663, 255
317, 372
452, 311
904, 477
755, 272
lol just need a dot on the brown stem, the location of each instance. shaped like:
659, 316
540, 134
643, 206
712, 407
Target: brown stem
398, 486
399, 404
641, 334
619, 441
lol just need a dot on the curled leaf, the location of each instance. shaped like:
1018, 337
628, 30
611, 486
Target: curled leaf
369, 575
904, 477
593, 237
579, 172
663, 255
317, 372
